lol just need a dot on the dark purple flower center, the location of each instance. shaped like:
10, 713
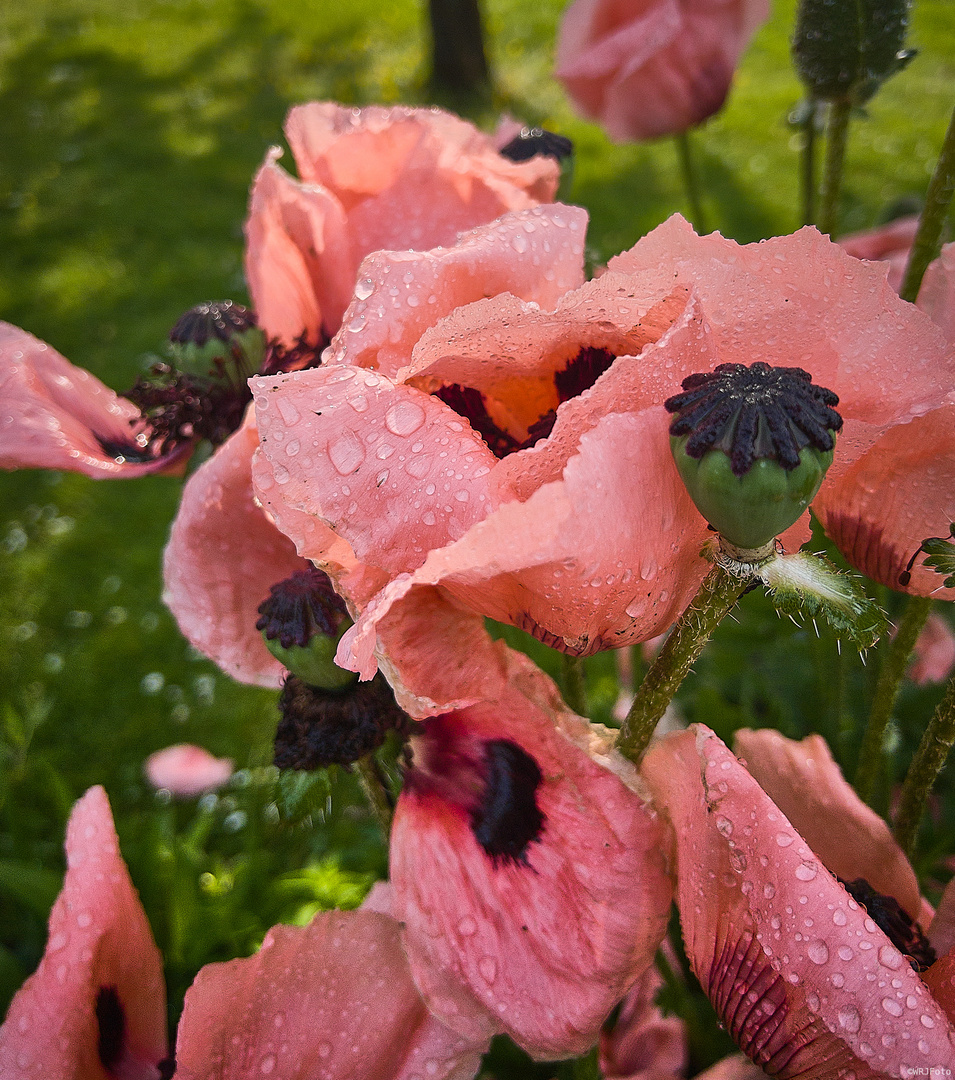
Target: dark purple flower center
529, 142
754, 412
300, 607
112, 1026
897, 925
578, 375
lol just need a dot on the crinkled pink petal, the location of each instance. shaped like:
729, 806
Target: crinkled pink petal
937, 293
890, 243
649, 69
223, 556
333, 1000
899, 493
534, 254
541, 949
187, 770
934, 652
643, 1043
100, 947
58, 416
393, 471
805, 783
411, 178
804, 981
299, 260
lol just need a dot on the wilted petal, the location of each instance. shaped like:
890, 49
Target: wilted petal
333, 1000
804, 981
223, 556
95, 1009
187, 770
531, 881
299, 259
805, 783
57, 416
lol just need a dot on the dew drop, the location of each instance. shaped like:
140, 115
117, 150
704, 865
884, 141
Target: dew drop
467, 927
891, 958
404, 418
818, 951
364, 288
346, 452
892, 1007
850, 1020
487, 965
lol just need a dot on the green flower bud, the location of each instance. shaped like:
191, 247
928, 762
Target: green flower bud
752, 446
215, 338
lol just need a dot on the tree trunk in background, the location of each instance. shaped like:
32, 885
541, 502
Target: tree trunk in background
458, 59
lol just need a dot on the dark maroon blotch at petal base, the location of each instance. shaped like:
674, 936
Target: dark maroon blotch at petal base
112, 1026
897, 925
529, 142
299, 607
507, 818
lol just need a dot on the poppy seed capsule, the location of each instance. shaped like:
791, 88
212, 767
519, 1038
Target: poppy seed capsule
211, 337
752, 446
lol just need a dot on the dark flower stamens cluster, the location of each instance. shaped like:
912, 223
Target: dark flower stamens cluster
300, 607
529, 142
754, 412
897, 925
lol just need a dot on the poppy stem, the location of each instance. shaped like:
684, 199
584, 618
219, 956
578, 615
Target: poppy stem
837, 131
718, 593
891, 672
937, 201
936, 743
691, 181
574, 683
807, 172
376, 791
586, 1067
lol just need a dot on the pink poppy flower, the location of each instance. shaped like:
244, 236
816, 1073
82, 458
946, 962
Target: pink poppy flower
95, 1008
644, 68
889, 243
643, 1044
333, 1000
516, 455
528, 872
802, 976
934, 653
187, 771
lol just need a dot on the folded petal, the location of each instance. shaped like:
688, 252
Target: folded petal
223, 556
333, 1000
803, 979
805, 783
531, 880
95, 1008
57, 416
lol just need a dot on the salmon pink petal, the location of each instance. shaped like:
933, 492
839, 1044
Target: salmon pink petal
535, 254
805, 783
890, 243
299, 260
804, 981
186, 770
333, 1000
934, 652
734, 1067
58, 416
940, 979
95, 1009
357, 451
937, 294
531, 880
643, 1044
896, 495
649, 69
411, 177
223, 556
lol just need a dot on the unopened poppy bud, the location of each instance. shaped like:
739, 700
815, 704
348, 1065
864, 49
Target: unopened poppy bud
845, 52
212, 338
302, 622
752, 445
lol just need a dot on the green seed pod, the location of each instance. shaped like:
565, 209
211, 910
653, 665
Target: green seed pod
314, 663
211, 339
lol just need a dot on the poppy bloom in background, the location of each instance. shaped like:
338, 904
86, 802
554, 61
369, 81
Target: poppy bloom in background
645, 68
95, 1008
187, 771
801, 974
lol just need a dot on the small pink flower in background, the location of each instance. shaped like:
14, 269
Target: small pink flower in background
889, 243
187, 771
95, 1008
645, 68
934, 653
803, 978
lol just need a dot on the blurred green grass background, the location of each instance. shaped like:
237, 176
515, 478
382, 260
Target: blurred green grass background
128, 138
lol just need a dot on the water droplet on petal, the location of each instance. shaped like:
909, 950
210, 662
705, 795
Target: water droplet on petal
487, 965
346, 452
364, 288
818, 951
404, 418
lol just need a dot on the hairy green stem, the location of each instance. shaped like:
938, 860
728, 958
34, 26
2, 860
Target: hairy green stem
891, 673
691, 181
574, 683
937, 201
718, 593
837, 131
376, 791
936, 743
807, 171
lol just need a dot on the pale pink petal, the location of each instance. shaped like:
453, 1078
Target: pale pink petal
411, 178
805, 783
333, 1000
57, 416
649, 69
393, 471
643, 1043
99, 944
539, 943
299, 260
934, 652
400, 294
223, 556
896, 495
889, 243
937, 294
797, 971
187, 770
